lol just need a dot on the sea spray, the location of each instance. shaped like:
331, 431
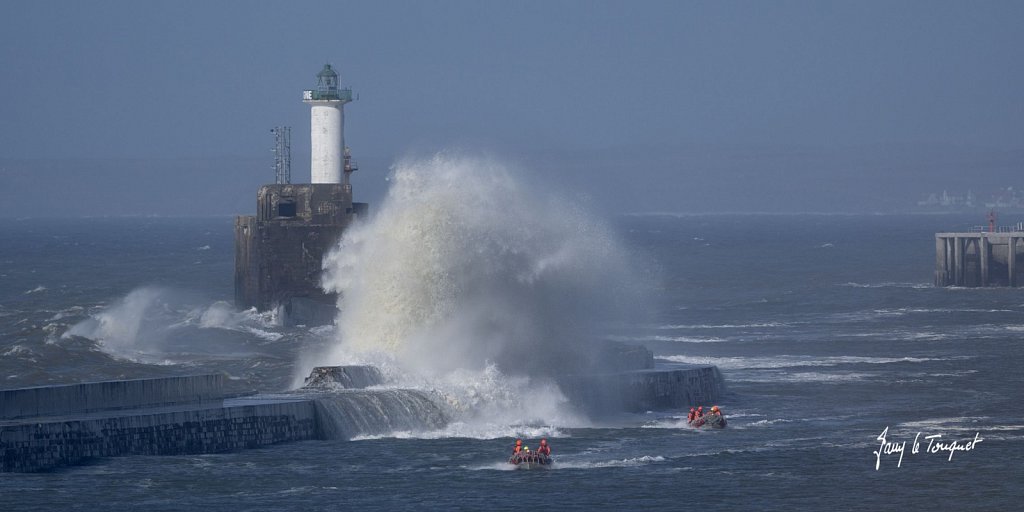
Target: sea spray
464, 266
117, 328
163, 325
473, 287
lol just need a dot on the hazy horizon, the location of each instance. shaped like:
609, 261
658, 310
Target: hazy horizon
119, 108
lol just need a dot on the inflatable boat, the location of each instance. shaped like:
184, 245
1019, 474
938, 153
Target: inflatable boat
709, 421
530, 461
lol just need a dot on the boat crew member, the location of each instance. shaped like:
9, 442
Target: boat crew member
700, 411
691, 415
544, 448
518, 448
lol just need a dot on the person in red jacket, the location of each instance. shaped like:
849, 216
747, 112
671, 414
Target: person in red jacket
691, 415
544, 448
700, 411
518, 448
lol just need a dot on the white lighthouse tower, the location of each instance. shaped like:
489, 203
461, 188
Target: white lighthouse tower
328, 154
279, 252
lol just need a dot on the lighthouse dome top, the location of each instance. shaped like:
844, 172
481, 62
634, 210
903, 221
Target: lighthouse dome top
327, 72
328, 88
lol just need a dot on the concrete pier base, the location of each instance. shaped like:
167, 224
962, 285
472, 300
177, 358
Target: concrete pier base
977, 259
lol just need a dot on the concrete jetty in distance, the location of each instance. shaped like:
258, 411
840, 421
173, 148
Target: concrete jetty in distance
974, 259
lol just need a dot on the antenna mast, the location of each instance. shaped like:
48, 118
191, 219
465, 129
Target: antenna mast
282, 154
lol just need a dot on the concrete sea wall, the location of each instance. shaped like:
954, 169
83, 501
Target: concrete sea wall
111, 395
239, 424
51, 426
644, 390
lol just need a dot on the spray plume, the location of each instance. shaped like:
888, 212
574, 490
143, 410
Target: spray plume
463, 268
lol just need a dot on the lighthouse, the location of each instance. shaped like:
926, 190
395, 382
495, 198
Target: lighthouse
279, 251
328, 154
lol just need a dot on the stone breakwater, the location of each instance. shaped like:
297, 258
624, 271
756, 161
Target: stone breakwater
644, 390
46, 443
110, 395
52, 426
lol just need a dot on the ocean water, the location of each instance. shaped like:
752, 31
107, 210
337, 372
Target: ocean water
826, 328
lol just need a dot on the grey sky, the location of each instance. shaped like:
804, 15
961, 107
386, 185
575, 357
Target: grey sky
672, 106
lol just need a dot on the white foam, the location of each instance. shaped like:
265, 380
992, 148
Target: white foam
37, 289
266, 335
223, 315
20, 351
493, 466
489, 403
673, 423
898, 312
72, 311
677, 339
472, 431
562, 463
323, 330
722, 326
815, 377
796, 361
962, 423
917, 286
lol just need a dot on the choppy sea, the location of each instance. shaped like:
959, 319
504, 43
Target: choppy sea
826, 328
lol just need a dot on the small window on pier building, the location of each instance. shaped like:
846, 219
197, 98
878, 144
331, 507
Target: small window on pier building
286, 208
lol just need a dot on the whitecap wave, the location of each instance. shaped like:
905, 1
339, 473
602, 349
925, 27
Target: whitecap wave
796, 361
840, 377
767, 422
958, 424
492, 466
20, 351
677, 339
762, 325
643, 460
146, 326
473, 431
69, 312
889, 284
